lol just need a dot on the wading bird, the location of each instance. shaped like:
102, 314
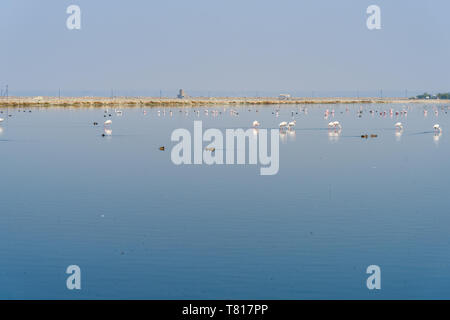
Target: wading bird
256, 124
283, 125
399, 126
437, 128
335, 125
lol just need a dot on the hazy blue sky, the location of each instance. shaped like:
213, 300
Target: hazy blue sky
227, 45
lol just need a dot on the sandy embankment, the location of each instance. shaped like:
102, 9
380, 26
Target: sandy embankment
157, 102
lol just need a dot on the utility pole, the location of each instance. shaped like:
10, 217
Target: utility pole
7, 106
381, 93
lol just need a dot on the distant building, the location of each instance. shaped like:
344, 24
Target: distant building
284, 96
181, 94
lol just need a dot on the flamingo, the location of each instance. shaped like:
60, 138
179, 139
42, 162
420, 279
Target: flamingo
437, 133
399, 126
283, 125
108, 122
437, 128
256, 124
291, 124
335, 124
1, 120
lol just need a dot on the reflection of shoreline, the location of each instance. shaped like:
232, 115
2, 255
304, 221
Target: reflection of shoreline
197, 102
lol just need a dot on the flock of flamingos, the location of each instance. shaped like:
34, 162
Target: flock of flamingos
285, 125
336, 125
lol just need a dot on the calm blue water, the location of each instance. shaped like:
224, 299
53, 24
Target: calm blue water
140, 227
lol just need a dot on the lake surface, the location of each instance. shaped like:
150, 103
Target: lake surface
141, 227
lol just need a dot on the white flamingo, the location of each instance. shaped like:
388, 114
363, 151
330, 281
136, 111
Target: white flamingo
399, 126
283, 125
256, 124
437, 133
335, 124
437, 128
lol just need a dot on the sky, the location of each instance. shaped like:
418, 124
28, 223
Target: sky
224, 46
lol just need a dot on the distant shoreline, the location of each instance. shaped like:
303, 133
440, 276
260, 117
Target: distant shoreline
187, 102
